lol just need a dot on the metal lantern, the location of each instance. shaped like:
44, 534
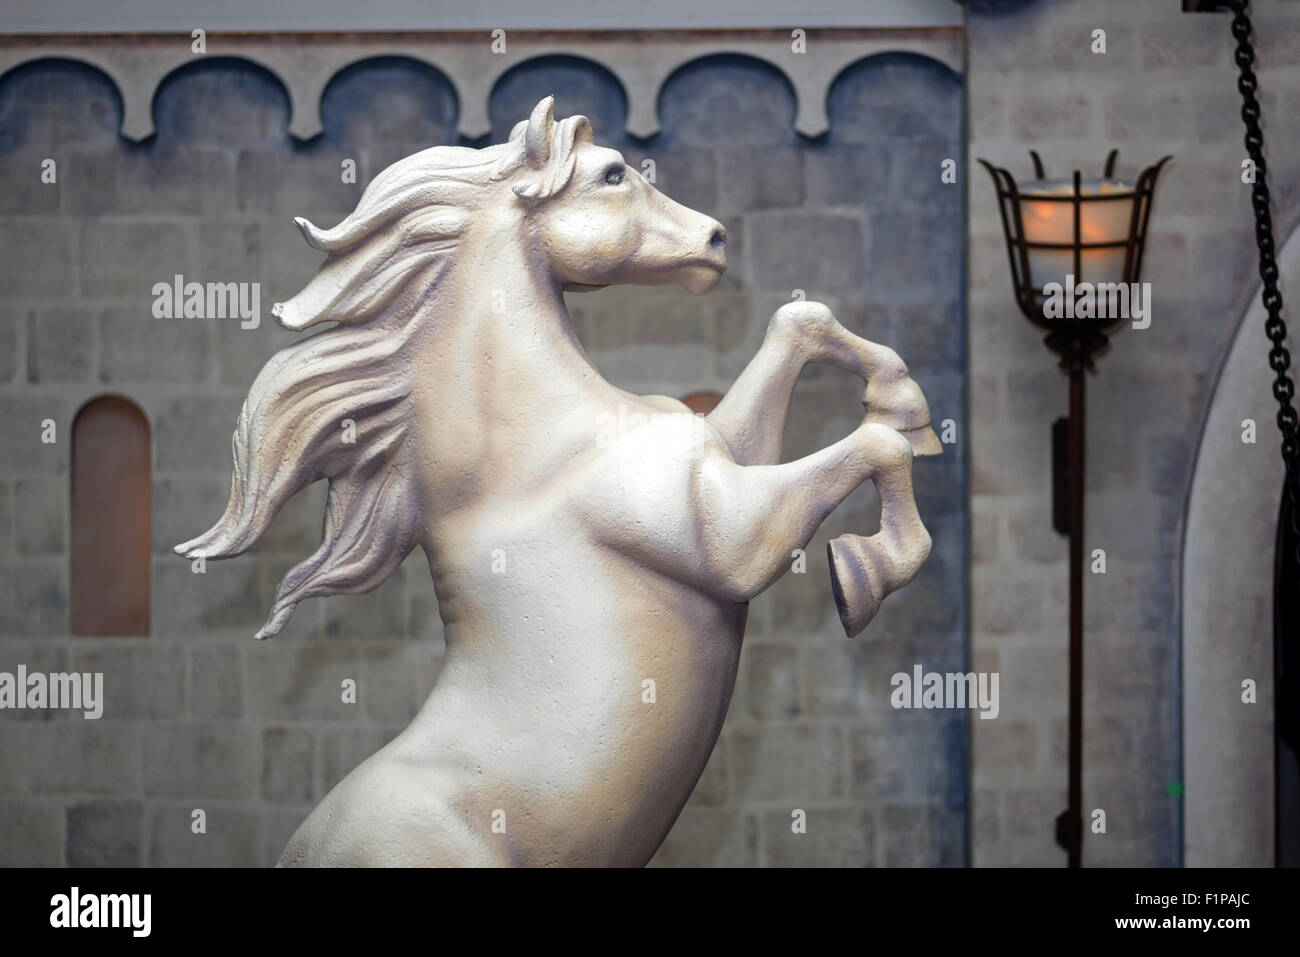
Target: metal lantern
1066, 240
1071, 232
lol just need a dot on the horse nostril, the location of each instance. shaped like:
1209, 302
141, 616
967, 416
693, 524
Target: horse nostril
718, 239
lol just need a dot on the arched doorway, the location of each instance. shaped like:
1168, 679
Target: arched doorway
109, 575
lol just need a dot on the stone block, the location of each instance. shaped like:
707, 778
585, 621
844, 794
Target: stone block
1056, 40
36, 261
1184, 42
817, 253
224, 598
835, 837
13, 758
180, 505
232, 837
10, 319
775, 180
907, 252
257, 178
125, 260
84, 757
29, 192
1007, 606
141, 680
386, 683
773, 678
851, 174
192, 434
288, 759
138, 347
796, 606
1136, 671
984, 538
174, 180
1033, 536
303, 682
296, 532
1029, 818
925, 758
1035, 389
1003, 749
40, 516
988, 112
918, 182
22, 451
921, 836
105, 834
382, 613
89, 181
232, 252
844, 679
1166, 264
216, 681
689, 177
312, 185
788, 762
1277, 40
1039, 117
60, 344
198, 760
38, 655
733, 327
986, 826
1153, 115
1033, 677
34, 598
32, 835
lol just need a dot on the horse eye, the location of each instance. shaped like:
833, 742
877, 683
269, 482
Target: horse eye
614, 176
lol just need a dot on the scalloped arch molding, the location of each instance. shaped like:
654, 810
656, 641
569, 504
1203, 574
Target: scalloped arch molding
641, 62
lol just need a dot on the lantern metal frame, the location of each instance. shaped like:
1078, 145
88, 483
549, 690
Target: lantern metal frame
1072, 339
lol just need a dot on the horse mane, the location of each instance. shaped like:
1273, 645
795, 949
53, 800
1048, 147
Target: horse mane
338, 405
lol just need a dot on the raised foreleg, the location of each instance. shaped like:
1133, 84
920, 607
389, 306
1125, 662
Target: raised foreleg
751, 416
751, 518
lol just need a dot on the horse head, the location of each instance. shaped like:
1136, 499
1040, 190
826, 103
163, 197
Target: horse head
598, 222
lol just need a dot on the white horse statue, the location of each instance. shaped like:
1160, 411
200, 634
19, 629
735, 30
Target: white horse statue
452, 408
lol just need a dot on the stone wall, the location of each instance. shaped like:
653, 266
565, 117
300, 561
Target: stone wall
198, 715
1166, 84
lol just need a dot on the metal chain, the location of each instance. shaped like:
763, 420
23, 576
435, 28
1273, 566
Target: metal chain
1279, 358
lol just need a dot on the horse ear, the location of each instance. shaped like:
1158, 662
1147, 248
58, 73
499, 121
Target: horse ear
537, 138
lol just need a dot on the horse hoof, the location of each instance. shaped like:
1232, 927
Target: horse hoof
924, 441
900, 405
851, 573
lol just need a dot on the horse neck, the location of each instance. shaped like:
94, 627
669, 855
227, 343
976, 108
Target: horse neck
501, 394
503, 339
